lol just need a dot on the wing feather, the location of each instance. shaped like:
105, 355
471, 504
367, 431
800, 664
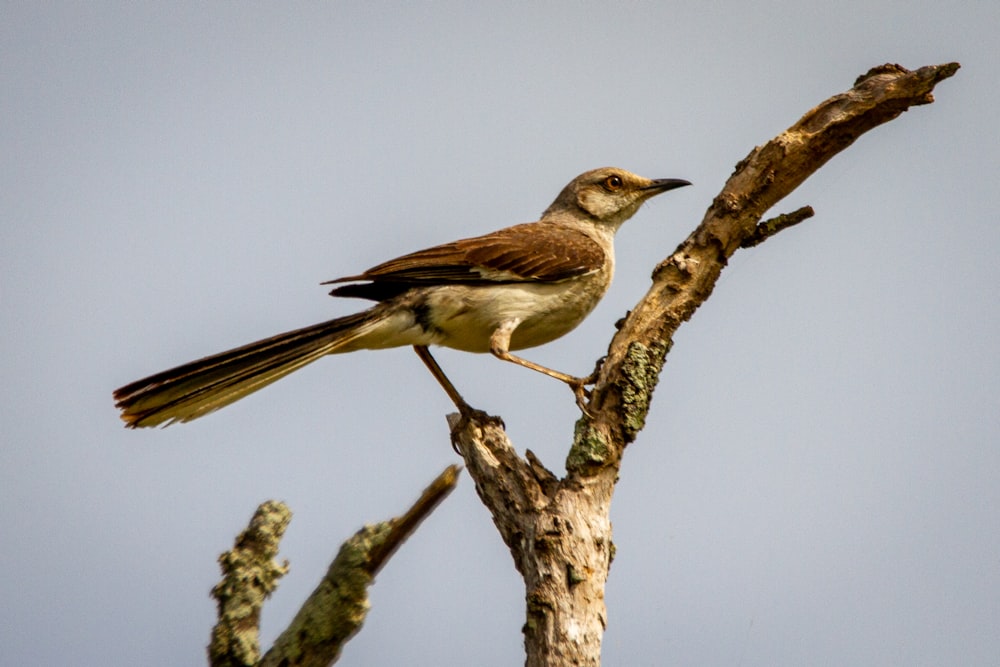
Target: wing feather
532, 252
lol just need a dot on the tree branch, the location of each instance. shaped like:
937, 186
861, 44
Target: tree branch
559, 534
250, 574
338, 606
765, 230
558, 530
335, 610
685, 279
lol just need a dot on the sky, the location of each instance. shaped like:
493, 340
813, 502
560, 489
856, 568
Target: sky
819, 478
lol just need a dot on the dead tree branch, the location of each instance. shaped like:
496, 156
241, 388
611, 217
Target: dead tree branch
250, 575
558, 530
335, 610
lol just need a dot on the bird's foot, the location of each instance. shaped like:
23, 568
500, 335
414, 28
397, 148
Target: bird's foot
579, 387
466, 415
582, 394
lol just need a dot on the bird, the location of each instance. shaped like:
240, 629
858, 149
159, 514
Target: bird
512, 289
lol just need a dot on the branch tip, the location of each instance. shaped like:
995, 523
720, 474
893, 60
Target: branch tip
768, 228
403, 526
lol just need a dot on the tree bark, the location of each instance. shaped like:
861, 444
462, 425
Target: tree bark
250, 575
558, 529
337, 607
559, 534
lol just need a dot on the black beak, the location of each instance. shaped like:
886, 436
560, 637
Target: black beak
664, 184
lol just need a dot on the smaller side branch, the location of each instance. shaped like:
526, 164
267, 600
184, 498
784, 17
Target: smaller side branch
337, 608
403, 526
765, 230
250, 574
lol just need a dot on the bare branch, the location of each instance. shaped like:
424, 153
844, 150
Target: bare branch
558, 530
768, 228
250, 574
685, 279
337, 608
503, 479
559, 534
403, 526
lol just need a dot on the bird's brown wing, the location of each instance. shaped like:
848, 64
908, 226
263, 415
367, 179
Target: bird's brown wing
531, 252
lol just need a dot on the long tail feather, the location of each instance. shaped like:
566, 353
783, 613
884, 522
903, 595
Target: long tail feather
199, 387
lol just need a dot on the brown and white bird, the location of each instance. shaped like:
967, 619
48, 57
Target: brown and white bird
512, 289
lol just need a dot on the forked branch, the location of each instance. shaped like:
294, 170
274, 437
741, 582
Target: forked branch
335, 610
558, 530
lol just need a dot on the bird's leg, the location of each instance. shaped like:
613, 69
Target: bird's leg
500, 348
449, 388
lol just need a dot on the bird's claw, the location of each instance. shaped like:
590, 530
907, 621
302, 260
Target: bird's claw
582, 394
579, 387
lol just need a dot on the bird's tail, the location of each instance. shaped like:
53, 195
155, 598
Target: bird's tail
203, 386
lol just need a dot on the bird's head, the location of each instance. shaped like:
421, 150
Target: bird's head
608, 196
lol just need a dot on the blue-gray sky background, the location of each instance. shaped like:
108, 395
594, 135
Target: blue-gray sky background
818, 482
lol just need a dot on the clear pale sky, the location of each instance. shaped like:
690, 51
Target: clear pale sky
818, 482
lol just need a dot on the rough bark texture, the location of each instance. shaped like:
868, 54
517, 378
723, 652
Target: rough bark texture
558, 534
558, 530
335, 610
250, 574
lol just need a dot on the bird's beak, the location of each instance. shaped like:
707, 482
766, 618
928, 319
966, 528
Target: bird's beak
664, 184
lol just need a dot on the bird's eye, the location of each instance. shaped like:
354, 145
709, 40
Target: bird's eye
613, 183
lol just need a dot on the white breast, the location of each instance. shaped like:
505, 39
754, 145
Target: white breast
464, 317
